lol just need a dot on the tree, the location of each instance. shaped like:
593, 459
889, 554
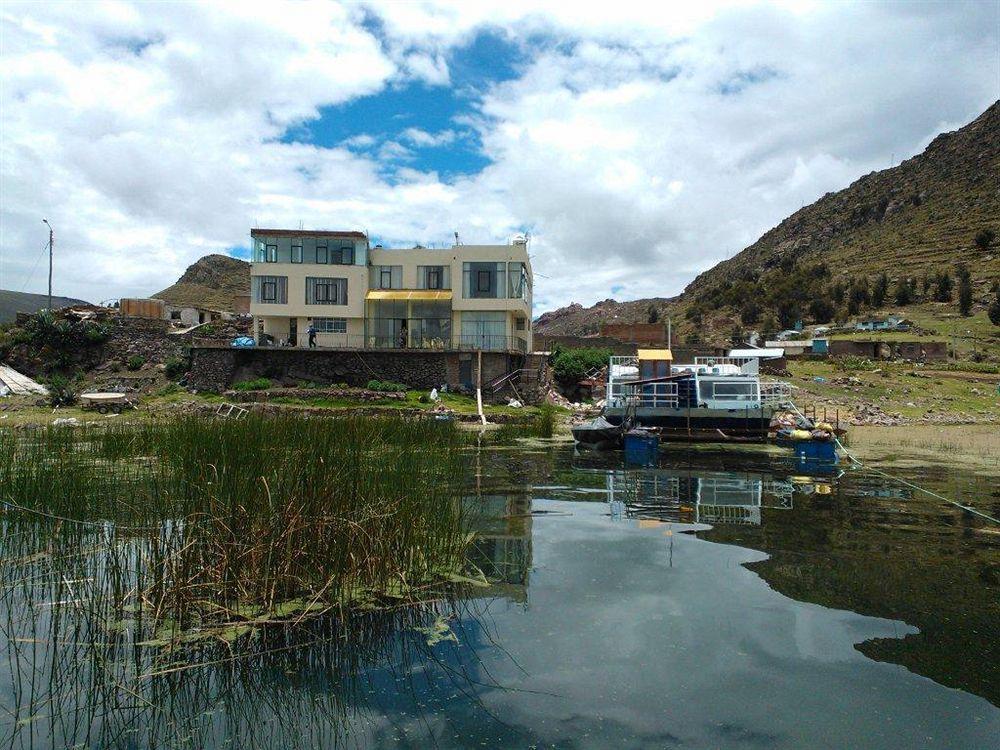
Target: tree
904, 292
736, 335
943, 287
994, 309
821, 309
750, 313
789, 312
653, 316
880, 290
964, 290
984, 238
838, 292
858, 295
769, 325
925, 286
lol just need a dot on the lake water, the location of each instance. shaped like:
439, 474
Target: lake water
713, 600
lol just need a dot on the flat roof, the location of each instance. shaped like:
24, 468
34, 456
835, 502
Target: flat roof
307, 233
654, 354
758, 353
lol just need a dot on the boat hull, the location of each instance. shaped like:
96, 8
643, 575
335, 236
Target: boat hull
706, 425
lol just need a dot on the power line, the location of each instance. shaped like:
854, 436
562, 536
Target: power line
34, 267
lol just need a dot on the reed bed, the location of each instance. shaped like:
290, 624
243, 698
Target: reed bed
190, 529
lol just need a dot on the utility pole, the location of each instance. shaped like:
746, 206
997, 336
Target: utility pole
52, 237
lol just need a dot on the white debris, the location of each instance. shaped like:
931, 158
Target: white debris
66, 421
434, 394
513, 402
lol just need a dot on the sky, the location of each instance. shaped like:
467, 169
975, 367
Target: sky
637, 144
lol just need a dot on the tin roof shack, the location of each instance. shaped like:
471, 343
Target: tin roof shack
769, 361
889, 323
916, 351
635, 333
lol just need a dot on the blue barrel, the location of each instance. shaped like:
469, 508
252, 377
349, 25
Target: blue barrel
641, 448
816, 450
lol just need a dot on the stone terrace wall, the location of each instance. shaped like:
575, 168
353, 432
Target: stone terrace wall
917, 351
216, 368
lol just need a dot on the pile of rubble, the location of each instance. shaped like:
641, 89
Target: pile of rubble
870, 414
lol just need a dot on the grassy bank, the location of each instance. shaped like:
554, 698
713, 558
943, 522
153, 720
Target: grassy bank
915, 392
975, 447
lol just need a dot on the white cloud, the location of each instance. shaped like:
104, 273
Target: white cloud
149, 134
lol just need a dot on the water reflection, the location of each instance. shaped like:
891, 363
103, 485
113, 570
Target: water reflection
687, 496
771, 636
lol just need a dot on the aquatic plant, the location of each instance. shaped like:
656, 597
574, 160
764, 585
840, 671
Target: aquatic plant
212, 528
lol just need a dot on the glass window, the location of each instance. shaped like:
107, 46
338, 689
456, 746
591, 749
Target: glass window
330, 325
297, 251
326, 291
346, 255
322, 254
484, 330
484, 280
259, 251
733, 391
385, 279
272, 254
433, 278
271, 290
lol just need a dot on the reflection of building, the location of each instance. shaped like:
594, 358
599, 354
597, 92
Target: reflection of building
695, 497
502, 545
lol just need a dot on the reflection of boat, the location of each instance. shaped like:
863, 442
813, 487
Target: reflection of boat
687, 496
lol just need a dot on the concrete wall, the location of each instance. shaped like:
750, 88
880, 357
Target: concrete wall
217, 368
921, 351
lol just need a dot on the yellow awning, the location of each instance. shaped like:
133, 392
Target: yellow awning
654, 354
410, 294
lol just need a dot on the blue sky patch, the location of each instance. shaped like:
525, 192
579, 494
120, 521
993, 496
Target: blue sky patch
377, 125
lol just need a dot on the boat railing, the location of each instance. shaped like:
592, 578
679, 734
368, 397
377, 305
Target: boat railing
651, 395
775, 392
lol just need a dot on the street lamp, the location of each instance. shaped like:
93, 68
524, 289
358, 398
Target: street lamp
52, 236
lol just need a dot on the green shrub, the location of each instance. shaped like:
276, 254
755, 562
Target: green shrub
168, 389
95, 334
545, 422
135, 362
257, 384
385, 386
572, 365
175, 367
62, 391
424, 398
855, 364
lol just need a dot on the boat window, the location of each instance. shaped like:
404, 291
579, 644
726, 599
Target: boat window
733, 391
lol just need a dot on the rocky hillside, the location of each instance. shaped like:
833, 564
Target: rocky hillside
912, 222
577, 320
213, 282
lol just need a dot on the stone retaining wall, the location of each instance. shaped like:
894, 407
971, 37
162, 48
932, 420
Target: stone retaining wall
217, 368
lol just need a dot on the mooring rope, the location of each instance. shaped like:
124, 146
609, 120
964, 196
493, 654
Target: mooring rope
861, 465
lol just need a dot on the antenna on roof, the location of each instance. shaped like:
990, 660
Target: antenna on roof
457, 241
301, 226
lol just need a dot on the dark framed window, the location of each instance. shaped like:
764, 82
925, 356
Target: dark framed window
322, 254
330, 325
296, 252
272, 254
326, 291
347, 254
269, 291
484, 281
385, 278
433, 278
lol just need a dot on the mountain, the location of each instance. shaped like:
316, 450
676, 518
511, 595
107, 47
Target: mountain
577, 320
212, 282
913, 220
11, 303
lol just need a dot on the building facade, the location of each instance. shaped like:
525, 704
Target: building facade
359, 297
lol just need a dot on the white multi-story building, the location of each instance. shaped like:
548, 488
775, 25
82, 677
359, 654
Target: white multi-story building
360, 297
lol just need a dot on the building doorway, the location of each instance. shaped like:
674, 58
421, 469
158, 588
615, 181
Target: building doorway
293, 331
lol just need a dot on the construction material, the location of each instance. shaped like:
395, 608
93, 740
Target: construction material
20, 385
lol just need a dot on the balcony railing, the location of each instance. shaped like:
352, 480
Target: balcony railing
415, 342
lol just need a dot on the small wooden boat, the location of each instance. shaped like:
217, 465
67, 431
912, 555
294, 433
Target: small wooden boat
598, 433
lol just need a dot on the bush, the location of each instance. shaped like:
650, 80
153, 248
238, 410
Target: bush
984, 239
994, 309
62, 392
385, 386
855, 364
175, 367
544, 423
572, 365
135, 362
257, 384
